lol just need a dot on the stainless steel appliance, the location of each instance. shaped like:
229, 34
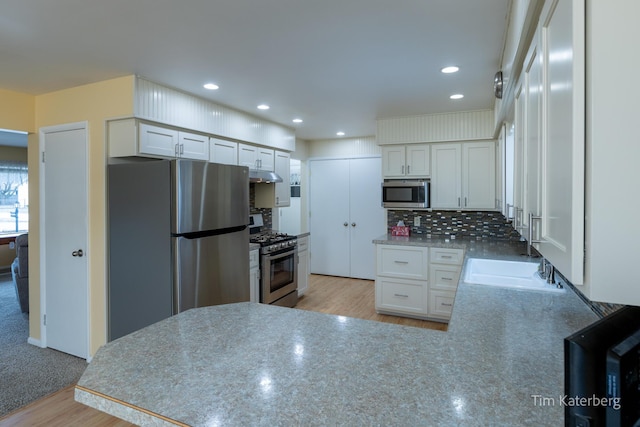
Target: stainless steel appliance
278, 265
400, 193
178, 239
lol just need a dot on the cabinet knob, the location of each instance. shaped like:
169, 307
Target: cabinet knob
353, 224
346, 224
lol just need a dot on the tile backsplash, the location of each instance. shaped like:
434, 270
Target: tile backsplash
266, 213
476, 225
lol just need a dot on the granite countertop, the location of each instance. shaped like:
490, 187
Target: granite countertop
255, 364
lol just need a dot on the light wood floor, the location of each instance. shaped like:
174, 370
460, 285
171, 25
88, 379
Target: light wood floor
60, 410
326, 294
352, 298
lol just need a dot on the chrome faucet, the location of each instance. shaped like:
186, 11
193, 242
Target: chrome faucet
546, 271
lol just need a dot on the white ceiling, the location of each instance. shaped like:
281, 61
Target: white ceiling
337, 64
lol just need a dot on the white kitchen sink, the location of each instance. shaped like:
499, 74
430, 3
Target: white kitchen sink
507, 274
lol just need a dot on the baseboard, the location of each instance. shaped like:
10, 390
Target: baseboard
34, 341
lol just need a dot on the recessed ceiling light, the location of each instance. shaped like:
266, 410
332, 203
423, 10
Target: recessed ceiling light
297, 120
211, 86
457, 96
340, 133
449, 70
263, 107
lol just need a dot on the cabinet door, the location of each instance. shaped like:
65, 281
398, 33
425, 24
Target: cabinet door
418, 160
393, 161
283, 189
478, 175
266, 159
248, 156
303, 265
445, 183
221, 151
193, 146
158, 141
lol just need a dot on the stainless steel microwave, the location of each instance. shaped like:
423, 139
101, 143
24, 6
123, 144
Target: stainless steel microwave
405, 194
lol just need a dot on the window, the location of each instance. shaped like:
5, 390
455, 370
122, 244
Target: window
14, 197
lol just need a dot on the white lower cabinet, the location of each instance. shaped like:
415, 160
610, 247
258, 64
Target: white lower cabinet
415, 281
303, 265
254, 275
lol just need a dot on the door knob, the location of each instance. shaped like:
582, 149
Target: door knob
353, 224
77, 253
346, 224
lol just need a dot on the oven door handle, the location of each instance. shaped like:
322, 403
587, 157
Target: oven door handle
278, 255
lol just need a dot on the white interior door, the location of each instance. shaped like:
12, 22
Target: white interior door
63, 244
367, 217
329, 217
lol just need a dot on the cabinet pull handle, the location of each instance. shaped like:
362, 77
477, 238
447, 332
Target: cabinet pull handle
458, 201
447, 305
447, 278
408, 169
465, 202
445, 256
401, 262
403, 169
400, 295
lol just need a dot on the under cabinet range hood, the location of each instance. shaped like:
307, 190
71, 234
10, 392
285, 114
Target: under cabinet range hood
256, 175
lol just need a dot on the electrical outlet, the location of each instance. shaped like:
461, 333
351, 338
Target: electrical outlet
416, 221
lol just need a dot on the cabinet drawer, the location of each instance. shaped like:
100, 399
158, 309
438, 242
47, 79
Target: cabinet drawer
405, 262
441, 304
444, 277
406, 296
446, 256
254, 259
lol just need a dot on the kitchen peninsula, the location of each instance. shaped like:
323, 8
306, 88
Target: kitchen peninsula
255, 364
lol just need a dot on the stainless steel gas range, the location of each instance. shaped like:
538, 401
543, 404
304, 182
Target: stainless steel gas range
278, 264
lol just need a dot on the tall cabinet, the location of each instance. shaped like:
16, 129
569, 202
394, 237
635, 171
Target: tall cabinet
345, 216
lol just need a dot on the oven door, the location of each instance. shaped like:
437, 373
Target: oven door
278, 275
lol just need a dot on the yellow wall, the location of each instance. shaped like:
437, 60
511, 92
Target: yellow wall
93, 103
17, 111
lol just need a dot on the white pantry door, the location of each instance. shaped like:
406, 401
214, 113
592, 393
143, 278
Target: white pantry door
346, 215
63, 244
367, 216
329, 221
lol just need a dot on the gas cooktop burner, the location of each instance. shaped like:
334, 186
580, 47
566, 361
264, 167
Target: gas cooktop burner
266, 238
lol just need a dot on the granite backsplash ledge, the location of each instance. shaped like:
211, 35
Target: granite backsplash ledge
474, 225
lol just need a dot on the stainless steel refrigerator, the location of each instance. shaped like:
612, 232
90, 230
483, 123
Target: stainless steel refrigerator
178, 238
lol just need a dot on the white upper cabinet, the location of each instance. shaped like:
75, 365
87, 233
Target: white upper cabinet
193, 146
446, 184
158, 141
479, 175
402, 161
222, 151
255, 157
130, 137
463, 175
